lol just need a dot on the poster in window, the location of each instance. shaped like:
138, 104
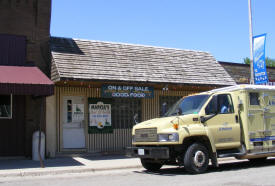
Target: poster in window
100, 118
78, 112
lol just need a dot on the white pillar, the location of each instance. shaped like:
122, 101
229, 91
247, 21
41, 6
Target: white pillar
51, 126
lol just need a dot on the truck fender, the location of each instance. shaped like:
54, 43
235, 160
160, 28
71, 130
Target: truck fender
214, 156
211, 140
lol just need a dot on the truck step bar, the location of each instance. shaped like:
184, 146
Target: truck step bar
231, 155
234, 153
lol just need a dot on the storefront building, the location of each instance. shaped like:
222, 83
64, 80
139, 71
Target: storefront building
24, 61
102, 89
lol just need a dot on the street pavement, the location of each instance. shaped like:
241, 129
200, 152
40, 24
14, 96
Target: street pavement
63, 165
236, 173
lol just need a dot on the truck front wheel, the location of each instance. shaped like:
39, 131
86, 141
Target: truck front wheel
150, 165
196, 158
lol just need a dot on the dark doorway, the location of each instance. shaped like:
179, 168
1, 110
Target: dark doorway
12, 130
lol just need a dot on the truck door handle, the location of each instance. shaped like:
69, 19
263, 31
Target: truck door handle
237, 118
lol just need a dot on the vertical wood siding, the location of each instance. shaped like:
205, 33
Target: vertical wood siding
121, 137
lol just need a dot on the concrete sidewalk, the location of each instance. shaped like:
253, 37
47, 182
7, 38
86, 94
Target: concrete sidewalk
62, 165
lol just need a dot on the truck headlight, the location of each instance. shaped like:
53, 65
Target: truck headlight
168, 137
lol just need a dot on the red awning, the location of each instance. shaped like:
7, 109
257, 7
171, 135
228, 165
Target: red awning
24, 81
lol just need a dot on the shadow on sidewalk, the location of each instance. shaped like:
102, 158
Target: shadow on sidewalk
64, 161
26, 163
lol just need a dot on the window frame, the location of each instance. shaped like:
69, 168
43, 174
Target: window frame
11, 99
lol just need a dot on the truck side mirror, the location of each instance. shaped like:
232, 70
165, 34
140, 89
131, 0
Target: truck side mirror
203, 119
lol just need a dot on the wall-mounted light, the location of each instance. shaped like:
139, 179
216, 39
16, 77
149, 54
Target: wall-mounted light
165, 88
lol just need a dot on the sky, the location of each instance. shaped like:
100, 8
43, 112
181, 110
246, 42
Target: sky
220, 27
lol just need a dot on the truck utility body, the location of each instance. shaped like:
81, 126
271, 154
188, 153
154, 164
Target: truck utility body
236, 121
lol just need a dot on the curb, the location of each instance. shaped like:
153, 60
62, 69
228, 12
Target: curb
23, 173
76, 169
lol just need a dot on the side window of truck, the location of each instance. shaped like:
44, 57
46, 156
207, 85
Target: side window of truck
225, 104
220, 104
212, 107
254, 98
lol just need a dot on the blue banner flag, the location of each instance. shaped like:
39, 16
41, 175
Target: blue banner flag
259, 66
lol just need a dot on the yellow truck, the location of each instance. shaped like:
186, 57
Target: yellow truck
236, 121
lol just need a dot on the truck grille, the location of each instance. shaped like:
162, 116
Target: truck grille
146, 135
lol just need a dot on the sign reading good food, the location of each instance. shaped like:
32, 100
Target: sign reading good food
100, 118
122, 91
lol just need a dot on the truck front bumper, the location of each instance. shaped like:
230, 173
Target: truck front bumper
148, 152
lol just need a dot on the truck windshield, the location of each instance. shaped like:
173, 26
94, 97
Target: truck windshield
187, 105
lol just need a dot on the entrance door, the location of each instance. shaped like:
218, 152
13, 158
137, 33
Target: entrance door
73, 122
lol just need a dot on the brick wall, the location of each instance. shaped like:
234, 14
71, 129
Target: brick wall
30, 18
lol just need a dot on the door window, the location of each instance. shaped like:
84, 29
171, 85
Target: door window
220, 104
69, 111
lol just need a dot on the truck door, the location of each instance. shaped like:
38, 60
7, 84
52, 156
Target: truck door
224, 125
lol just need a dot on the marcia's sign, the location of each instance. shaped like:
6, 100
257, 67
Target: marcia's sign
100, 117
123, 91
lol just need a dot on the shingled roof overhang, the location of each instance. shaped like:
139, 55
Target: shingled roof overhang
84, 60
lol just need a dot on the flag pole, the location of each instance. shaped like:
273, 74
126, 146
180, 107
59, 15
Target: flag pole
251, 43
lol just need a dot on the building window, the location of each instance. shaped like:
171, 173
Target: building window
13, 50
126, 112
5, 106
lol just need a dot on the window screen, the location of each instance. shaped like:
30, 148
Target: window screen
126, 112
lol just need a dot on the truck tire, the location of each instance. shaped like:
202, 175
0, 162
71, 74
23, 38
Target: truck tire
150, 165
196, 158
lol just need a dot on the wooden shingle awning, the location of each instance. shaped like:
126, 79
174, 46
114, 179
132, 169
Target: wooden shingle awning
20, 80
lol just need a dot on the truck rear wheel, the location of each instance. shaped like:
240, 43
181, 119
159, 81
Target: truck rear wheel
196, 158
150, 165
